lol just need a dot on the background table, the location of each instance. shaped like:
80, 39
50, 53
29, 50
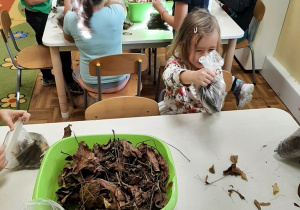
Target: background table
140, 37
253, 135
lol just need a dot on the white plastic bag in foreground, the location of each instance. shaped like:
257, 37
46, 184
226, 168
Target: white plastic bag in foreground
212, 96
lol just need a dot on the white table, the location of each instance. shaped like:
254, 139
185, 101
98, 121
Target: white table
205, 140
141, 38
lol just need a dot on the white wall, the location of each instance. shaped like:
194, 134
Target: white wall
267, 35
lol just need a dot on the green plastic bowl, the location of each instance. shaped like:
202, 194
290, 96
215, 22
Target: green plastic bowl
53, 163
138, 11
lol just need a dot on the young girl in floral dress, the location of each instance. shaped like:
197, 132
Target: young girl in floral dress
198, 35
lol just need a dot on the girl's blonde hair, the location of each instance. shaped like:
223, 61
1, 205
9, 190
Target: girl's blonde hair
198, 22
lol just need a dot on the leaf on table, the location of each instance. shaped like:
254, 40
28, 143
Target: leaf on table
212, 169
265, 204
206, 182
67, 131
275, 189
235, 171
231, 191
234, 159
256, 203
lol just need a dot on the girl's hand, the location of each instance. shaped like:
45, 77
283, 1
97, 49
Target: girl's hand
158, 6
202, 77
3, 160
9, 117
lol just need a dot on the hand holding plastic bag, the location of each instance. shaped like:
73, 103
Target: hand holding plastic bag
23, 149
212, 96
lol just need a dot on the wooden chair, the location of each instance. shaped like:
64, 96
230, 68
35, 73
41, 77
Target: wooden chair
118, 64
259, 12
30, 58
122, 107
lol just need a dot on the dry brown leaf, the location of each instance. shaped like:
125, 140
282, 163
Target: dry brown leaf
265, 204
234, 159
275, 189
169, 186
241, 196
212, 169
67, 131
257, 204
243, 175
206, 182
299, 190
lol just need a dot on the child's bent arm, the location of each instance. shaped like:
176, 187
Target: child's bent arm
202, 77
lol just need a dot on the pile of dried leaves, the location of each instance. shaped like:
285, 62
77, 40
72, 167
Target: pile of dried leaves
114, 176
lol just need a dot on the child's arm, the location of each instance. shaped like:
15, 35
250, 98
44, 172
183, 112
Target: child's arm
9, 117
202, 77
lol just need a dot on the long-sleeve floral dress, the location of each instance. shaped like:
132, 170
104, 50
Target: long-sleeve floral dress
179, 98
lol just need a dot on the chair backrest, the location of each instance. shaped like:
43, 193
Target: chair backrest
118, 64
227, 76
122, 107
258, 14
5, 23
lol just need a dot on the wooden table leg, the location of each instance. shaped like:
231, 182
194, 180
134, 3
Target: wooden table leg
60, 84
229, 55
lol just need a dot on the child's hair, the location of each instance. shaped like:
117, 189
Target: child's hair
84, 11
198, 22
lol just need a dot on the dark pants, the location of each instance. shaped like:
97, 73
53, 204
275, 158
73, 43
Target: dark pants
37, 20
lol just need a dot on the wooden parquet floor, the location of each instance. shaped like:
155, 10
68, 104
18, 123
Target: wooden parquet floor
44, 106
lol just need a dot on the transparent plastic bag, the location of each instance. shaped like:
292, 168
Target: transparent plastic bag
290, 146
23, 149
212, 96
42, 204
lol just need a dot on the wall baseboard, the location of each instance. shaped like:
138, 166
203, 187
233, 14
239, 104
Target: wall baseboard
283, 84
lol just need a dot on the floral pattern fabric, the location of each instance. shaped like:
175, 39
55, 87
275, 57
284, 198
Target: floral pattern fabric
179, 98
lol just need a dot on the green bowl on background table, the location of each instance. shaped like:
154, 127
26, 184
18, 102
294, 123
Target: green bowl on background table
138, 11
54, 161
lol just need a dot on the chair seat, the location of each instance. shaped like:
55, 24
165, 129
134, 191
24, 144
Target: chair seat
129, 90
35, 57
242, 44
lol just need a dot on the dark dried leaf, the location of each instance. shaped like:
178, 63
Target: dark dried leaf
241, 196
67, 131
299, 190
153, 160
257, 204
129, 150
235, 171
212, 169
206, 178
